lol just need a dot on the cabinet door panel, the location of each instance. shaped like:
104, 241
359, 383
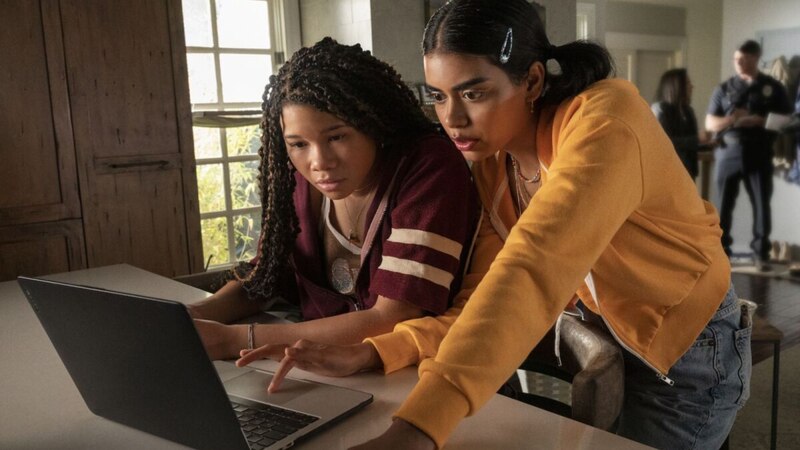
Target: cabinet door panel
121, 80
38, 179
139, 215
41, 249
131, 119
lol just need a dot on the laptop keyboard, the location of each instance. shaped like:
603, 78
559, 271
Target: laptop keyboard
264, 425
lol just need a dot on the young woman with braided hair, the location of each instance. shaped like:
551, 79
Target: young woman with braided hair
368, 212
591, 202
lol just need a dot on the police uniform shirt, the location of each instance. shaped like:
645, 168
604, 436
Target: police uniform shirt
762, 96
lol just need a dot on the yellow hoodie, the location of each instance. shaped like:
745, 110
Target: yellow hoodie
617, 219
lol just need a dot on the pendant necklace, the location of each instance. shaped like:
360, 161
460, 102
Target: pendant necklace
352, 235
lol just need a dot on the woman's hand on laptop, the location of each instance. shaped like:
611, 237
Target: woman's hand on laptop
322, 359
221, 341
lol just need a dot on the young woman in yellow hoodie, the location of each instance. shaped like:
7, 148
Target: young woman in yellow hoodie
616, 221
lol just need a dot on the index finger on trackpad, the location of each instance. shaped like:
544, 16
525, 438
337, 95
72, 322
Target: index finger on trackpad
253, 385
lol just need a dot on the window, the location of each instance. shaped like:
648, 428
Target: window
231, 50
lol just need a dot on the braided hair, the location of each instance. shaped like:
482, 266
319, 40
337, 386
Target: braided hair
341, 80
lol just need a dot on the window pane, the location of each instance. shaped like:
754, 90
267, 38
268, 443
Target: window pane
246, 230
206, 142
210, 187
197, 23
243, 24
202, 78
243, 140
244, 77
215, 240
244, 184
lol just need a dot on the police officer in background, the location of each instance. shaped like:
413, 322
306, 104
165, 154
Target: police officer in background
737, 114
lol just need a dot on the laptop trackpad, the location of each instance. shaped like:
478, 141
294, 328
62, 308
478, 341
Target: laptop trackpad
253, 386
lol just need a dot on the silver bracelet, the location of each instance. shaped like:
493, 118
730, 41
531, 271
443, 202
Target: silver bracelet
251, 336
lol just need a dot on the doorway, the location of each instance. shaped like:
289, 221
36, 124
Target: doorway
650, 65
641, 59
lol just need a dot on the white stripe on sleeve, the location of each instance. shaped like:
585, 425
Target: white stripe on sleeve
427, 239
417, 269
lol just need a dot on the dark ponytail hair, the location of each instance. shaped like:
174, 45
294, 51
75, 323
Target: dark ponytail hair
673, 88
481, 27
341, 80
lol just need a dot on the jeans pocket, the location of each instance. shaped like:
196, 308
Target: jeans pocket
742, 337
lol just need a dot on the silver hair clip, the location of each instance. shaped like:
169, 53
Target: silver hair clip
505, 52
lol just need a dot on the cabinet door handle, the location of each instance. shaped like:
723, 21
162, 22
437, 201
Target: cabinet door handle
120, 164
160, 163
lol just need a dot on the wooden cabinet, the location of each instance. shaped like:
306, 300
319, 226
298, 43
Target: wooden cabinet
95, 134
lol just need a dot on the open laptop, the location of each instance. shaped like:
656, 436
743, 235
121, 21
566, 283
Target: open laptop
139, 361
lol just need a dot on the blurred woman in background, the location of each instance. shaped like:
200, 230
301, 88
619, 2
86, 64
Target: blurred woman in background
674, 111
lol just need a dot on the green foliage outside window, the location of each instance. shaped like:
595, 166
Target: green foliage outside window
210, 188
246, 231
243, 196
243, 140
215, 240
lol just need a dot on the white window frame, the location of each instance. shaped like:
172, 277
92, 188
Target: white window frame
277, 42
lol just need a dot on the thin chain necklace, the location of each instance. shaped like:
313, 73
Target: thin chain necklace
352, 235
535, 179
523, 196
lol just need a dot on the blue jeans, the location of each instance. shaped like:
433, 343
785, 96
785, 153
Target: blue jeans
712, 382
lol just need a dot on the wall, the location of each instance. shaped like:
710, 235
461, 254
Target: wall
600, 7
392, 30
397, 28
701, 24
347, 21
559, 20
740, 21
704, 34
626, 17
